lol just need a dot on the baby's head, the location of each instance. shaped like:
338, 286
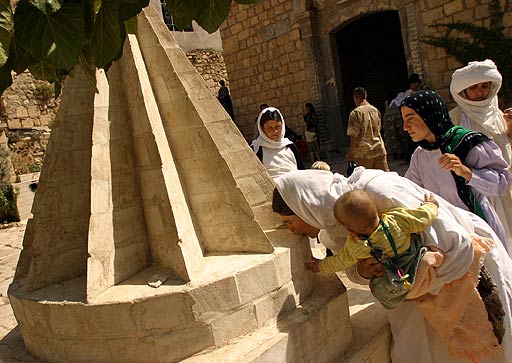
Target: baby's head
357, 212
321, 165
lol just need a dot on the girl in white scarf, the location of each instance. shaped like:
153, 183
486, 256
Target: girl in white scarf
484, 115
311, 194
277, 153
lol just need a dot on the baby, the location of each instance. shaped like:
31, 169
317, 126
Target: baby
386, 236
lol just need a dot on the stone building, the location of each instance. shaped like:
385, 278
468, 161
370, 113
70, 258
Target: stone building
286, 53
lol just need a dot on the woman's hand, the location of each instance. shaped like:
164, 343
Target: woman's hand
313, 265
369, 267
451, 162
507, 115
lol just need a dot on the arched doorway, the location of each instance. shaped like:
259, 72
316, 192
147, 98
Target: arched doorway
370, 54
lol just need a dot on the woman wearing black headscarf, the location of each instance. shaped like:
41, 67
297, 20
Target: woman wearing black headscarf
460, 165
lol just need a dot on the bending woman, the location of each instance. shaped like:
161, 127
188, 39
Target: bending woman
305, 199
462, 166
277, 153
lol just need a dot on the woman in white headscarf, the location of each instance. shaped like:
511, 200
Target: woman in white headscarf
480, 112
310, 195
278, 154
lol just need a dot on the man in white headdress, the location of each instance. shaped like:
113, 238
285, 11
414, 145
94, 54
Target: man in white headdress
475, 89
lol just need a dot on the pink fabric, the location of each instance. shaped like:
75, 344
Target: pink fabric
458, 313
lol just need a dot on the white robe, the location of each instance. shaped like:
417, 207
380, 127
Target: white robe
491, 178
311, 195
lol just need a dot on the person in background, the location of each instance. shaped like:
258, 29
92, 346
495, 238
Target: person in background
364, 125
278, 154
415, 84
312, 134
225, 99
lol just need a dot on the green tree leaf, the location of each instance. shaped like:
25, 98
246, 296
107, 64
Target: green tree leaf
130, 8
106, 36
212, 13
6, 25
47, 6
57, 37
209, 14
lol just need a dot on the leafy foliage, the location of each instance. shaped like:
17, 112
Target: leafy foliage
51, 37
482, 43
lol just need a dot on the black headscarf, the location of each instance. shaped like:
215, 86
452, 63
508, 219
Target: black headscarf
449, 138
432, 109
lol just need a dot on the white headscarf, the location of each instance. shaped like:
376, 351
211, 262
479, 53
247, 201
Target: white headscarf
485, 113
311, 195
397, 101
263, 140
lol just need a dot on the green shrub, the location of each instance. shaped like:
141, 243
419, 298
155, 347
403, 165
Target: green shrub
8, 210
44, 91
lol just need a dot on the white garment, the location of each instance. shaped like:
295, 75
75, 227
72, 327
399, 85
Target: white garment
311, 195
483, 116
278, 161
490, 179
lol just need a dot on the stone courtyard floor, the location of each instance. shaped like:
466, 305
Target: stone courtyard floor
12, 349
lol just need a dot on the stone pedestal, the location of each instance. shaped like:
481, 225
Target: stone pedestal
149, 178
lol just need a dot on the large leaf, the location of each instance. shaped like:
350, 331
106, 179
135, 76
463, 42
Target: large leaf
47, 6
106, 36
56, 37
5, 78
182, 12
6, 29
130, 8
209, 14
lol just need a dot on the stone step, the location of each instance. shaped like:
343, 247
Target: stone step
315, 332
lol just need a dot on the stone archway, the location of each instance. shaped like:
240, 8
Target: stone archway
370, 53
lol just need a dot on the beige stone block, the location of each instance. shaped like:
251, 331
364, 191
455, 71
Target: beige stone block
111, 320
152, 186
14, 123
482, 12
84, 350
179, 345
229, 327
159, 223
27, 123
165, 313
36, 318
257, 281
33, 111
131, 257
218, 296
433, 15
66, 320
453, 7
466, 16
133, 350
21, 112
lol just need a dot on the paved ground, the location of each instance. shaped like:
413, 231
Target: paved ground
11, 345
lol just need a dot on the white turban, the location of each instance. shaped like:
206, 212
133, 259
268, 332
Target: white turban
485, 115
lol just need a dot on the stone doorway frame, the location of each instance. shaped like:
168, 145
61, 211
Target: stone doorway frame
319, 25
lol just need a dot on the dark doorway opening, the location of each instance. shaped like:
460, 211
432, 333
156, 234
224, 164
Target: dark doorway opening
371, 55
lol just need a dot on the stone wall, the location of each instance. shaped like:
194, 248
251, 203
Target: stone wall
25, 112
27, 148
282, 52
439, 65
210, 65
28, 103
265, 62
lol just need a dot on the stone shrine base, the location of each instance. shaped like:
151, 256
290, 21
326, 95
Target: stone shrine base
244, 308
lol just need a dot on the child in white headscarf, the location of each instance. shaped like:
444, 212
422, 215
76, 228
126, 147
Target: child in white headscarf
277, 153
